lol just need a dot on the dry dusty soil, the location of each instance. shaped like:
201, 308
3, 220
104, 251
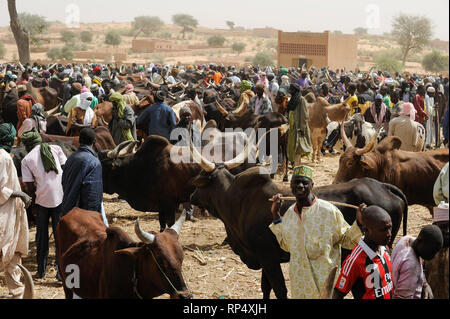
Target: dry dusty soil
223, 275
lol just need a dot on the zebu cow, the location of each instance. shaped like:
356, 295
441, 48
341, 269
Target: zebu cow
112, 265
413, 173
317, 121
246, 222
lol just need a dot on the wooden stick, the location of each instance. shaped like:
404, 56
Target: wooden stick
332, 202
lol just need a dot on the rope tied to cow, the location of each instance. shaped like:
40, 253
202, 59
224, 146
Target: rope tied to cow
135, 281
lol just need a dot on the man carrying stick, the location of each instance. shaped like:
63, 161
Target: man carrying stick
313, 231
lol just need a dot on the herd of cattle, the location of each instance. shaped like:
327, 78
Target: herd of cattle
145, 175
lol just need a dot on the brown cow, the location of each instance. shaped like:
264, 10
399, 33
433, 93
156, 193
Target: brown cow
413, 172
318, 111
98, 262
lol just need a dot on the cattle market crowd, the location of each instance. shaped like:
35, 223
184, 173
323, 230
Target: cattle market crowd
70, 133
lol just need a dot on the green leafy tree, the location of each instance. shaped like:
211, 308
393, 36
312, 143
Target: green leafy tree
68, 36
2, 50
67, 52
113, 38
263, 59
230, 24
238, 47
388, 63
186, 21
412, 33
35, 25
147, 25
435, 62
360, 31
86, 36
216, 41
54, 53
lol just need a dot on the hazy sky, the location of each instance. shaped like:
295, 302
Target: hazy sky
287, 15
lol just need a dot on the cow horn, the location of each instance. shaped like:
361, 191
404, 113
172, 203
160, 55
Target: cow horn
29, 285
240, 159
115, 152
221, 109
130, 148
284, 129
239, 109
200, 160
179, 223
344, 137
368, 147
327, 287
145, 237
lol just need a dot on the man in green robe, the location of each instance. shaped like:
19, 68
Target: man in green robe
299, 138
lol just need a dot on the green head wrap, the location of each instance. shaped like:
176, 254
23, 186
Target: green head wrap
7, 135
117, 99
284, 71
32, 138
303, 170
245, 85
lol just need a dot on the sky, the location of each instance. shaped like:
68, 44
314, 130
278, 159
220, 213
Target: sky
287, 15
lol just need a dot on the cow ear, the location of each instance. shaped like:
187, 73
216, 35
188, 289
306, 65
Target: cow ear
389, 144
131, 252
367, 163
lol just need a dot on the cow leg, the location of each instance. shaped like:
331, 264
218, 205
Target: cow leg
275, 278
167, 215
266, 288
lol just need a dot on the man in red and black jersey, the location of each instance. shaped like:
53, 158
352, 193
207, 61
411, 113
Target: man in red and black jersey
367, 271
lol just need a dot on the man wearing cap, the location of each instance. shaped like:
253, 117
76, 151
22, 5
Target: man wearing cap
260, 104
407, 129
74, 101
13, 217
159, 118
313, 231
378, 114
430, 123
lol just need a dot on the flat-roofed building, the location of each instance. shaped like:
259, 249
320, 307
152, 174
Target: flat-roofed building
318, 49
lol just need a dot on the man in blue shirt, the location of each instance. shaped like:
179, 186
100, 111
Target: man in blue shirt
82, 176
159, 117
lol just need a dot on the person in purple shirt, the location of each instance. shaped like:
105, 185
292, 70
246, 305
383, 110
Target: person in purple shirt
303, 80
407, 263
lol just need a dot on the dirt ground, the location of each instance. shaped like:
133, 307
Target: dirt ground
223, 275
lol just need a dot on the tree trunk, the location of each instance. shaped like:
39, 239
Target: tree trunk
184, 32
20, 35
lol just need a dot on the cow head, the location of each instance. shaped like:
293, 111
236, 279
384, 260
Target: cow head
354, 163
157, 263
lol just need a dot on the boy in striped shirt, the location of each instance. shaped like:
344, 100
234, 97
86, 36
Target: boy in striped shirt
367, 271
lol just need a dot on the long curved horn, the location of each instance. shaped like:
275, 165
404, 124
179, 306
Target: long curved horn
240, 159
200, 160
115, 152
221, 109
344, 137
239, 109
145, 237
29, 285
130, 148
368, 147
327, 287
179, 223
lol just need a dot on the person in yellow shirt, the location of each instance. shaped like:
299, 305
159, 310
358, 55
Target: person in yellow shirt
313, 231
353, 101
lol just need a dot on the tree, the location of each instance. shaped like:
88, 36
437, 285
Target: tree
67, 52
86, 36
68, 36
435, 62
263, 59
337, 32
186, 21
20, 34
388, 63
411, 33
2, 50
360, 31
113, 38
34, 24
147, 25
216, 41
54, 53
230, 24
238, 47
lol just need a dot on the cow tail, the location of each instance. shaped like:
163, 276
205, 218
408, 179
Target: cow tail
396, 191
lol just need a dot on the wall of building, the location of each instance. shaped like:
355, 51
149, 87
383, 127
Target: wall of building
295, 45
342, 51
